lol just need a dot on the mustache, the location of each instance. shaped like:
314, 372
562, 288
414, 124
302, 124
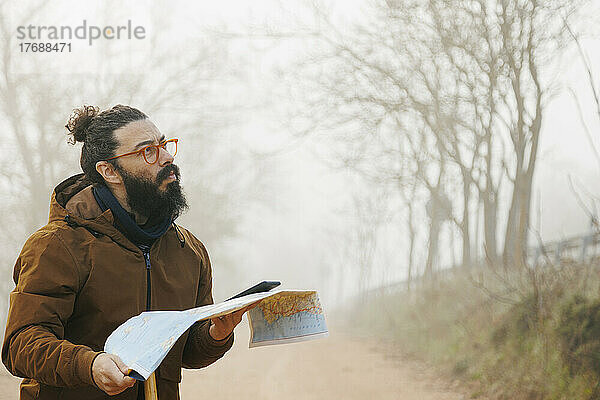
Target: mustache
166, 171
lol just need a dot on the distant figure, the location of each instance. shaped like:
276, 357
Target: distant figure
111, 250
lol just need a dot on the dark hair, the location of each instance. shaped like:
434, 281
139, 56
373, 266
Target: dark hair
96, 130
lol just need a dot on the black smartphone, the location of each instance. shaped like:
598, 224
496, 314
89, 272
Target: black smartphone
264, 286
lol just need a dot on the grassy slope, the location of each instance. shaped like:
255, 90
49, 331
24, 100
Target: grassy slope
528, 335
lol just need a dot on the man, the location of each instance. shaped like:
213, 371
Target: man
110, 250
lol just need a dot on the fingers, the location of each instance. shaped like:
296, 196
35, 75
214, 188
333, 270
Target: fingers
122, 367
109, 373
231, 320
241, 312
253, 305
127, 380
247, 308
237, 314
223, 326
227, 321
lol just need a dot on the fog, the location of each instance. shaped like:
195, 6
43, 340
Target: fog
288, 210
273, 195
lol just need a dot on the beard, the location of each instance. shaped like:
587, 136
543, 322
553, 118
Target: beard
145, 197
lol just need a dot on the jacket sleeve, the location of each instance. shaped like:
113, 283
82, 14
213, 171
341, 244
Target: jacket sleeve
47, 281
200, 348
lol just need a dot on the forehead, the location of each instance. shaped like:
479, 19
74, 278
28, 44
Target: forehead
136, 132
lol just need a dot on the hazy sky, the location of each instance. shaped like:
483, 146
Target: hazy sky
289, 236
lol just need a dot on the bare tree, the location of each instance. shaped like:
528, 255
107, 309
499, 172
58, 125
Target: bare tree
448, 96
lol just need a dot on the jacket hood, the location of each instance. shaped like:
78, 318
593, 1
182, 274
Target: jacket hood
71, 197
73, 201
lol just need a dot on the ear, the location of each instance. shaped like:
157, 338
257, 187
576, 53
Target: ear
108, 172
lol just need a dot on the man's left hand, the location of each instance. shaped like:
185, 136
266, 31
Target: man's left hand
222, 326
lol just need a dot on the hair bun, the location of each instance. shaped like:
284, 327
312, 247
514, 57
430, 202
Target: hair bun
79, 121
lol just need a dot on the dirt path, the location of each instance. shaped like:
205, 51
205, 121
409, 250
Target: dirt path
338, 367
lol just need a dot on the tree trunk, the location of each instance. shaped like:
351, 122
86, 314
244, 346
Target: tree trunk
466, 261
411, 246
432, 248
490, 210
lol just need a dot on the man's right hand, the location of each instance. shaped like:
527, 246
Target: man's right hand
110, 374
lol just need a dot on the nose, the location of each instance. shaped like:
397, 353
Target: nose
164, 157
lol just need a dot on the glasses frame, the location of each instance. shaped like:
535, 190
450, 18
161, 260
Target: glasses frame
143, 151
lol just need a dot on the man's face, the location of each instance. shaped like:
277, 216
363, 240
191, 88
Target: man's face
153, 190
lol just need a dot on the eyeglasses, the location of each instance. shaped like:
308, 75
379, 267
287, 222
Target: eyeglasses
150, 152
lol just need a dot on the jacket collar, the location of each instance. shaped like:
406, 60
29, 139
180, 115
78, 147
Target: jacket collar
74, 202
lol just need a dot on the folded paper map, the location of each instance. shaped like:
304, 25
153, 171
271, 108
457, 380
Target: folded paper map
282, 316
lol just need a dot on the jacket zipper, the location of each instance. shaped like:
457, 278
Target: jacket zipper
148, 281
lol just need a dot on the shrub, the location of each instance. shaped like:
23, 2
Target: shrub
579, 333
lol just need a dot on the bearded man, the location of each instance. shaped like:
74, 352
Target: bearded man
110, 250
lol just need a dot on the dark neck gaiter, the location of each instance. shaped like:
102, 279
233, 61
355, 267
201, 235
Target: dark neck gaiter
124, 222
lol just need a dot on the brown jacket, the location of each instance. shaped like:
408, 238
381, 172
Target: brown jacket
78, 278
